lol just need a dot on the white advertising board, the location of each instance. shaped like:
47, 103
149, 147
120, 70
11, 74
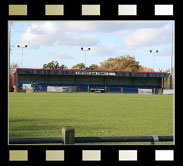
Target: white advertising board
168, 91
54, 89
145, 91
24, 86
61, 88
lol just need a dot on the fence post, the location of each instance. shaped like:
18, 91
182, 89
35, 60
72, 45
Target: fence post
68, 135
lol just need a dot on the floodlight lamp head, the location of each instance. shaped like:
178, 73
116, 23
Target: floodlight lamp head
156, 51
89, 48
25, 45
81, 48
18, 45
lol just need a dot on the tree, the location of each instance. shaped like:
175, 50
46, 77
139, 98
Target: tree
93, 67
51, 65
12, 69
54, 65
145, 69
79, 66
63, 67
122, 63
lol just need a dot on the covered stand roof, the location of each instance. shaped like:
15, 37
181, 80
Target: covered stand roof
89, 72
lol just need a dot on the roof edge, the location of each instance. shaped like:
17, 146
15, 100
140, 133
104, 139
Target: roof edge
87, 70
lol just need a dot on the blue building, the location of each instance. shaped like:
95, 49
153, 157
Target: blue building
88, 80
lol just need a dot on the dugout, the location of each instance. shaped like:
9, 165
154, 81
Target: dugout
68, 80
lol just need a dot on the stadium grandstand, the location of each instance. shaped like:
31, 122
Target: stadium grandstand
68, 80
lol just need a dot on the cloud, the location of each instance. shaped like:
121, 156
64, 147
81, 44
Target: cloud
88, 33
148, 37
98, 26
55, 34
104, 50
62, 55
165, 52
112, 26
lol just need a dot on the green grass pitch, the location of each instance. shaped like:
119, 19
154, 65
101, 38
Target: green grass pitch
91, 114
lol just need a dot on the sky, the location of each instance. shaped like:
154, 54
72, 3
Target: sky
62, 41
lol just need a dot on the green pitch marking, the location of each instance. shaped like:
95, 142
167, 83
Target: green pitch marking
91, 114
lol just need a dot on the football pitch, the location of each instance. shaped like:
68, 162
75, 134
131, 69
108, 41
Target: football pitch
91, 114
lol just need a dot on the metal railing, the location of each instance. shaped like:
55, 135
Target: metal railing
69, 138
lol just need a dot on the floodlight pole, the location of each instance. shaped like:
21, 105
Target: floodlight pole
151, 51
22, 47
171, 61
85, 58
85, 50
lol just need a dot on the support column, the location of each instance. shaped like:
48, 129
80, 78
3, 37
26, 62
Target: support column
16, 82
171, 87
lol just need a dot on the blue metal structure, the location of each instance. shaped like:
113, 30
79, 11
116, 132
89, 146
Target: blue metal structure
84, 80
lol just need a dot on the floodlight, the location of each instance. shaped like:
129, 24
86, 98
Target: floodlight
85, 50
22, 47
151, 51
